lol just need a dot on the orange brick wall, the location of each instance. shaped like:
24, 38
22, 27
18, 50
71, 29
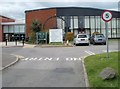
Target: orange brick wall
42, 16
1, 33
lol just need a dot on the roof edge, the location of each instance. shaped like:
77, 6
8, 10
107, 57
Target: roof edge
6, 17
68, 7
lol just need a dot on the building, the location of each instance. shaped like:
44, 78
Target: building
12, 29
4, 19
74, 19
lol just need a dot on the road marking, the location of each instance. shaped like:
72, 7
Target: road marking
19, 56
109, 50
25, 59
51, 59
89, 52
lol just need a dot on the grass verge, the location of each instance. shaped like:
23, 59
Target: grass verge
96, 63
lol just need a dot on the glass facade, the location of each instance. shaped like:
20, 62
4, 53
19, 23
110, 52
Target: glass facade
90, 24
12, 31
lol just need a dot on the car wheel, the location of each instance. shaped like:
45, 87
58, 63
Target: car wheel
75, 44
93, 43
88, 44
104, 43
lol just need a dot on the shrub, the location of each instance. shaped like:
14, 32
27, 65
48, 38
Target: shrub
95, 33
32, 38
69, 36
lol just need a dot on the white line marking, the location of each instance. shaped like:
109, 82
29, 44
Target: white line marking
90, 53
31, 58
35, 59
109, 50
80, 59
50, 59
17, 56
57, 59
25, 59
40, 59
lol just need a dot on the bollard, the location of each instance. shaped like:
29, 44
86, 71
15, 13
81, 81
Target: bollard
6, 42
16, 42
23, 42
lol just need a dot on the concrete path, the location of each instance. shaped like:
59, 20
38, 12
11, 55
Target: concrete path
13, 44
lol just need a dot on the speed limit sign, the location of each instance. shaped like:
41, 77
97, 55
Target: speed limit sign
107, 16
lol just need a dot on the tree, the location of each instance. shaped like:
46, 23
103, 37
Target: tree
36, 26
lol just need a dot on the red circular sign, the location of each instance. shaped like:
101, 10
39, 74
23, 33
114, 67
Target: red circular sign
107, 16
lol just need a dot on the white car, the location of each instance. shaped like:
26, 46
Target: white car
81, 39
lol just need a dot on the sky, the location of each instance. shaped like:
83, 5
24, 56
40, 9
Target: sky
16, 9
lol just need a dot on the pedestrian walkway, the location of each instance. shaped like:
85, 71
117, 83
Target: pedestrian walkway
9, 44
13, 44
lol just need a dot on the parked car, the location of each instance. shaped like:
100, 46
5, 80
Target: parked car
98, 38
81, 39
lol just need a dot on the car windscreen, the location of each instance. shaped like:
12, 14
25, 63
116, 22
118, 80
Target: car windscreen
99, 35
82, 36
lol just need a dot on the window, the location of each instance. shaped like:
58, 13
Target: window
92, 21
97, 21
22, 28
71, 22
109, 32
99, 35
11, 29
5, 29
63, 22
103, 31
16, 30
86, 21
75, 21
59, 23
118, 27
113, 23
109, 24
113, 33
82, 36
81, 22
102, 23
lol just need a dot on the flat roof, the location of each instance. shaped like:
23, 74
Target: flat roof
69, 8
18, 22
6, 17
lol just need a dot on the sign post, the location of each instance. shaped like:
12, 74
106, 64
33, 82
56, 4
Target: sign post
107, 16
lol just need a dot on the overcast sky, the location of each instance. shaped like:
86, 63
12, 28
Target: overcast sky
16, 9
